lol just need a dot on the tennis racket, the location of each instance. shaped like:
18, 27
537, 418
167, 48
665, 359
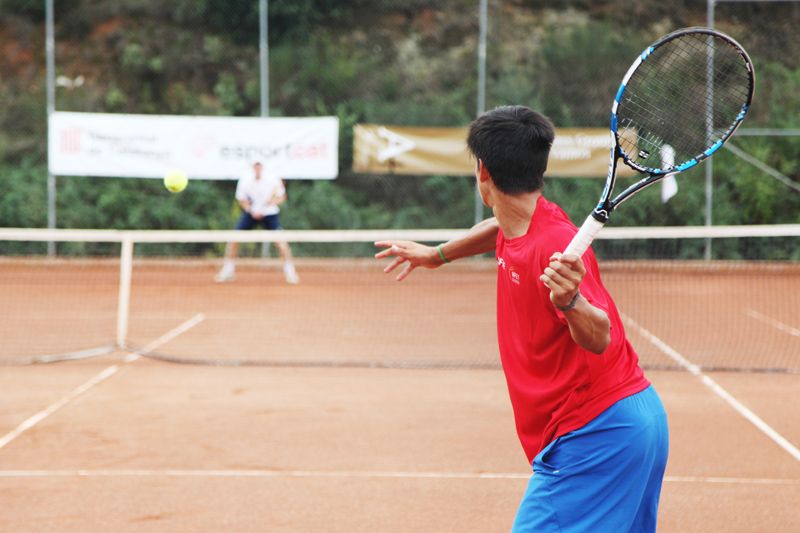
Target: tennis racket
680, 100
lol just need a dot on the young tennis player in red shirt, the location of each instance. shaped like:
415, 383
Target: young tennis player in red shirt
589, 421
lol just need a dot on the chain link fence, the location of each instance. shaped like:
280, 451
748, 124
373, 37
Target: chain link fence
412, 64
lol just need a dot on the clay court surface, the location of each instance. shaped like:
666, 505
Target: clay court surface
377, 406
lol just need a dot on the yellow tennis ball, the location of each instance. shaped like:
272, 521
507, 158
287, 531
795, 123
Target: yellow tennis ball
176, 180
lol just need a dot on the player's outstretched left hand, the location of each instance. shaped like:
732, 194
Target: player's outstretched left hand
411, 253
563, 277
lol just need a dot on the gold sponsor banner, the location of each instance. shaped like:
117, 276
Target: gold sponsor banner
576, 152
406, 150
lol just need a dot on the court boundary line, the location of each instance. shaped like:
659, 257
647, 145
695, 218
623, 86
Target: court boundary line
334, 474
57, 405
715, 387
775, 323
92, 382
136, 353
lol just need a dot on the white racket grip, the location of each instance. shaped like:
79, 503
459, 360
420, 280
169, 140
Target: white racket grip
583, 239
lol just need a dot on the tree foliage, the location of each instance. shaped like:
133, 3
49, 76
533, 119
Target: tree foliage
409, 63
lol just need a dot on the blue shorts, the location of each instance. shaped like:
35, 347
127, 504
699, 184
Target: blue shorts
605, 476
246, 221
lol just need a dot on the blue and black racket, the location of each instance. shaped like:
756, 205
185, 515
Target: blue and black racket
680, 100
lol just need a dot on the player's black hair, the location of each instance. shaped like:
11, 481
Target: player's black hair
513, 142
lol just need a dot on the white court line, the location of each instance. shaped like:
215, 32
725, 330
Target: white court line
732, 480
166, 337
754, 419
777, 324
52, 408
260, 474
352, 474
99, 378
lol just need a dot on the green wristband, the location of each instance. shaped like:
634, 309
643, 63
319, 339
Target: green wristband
441, 254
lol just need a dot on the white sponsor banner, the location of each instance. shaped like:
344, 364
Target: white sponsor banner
147, 146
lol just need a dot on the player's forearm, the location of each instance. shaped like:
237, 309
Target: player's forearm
589, 326
481, 238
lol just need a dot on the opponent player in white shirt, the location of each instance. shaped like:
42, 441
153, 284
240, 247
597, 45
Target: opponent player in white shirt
259, 194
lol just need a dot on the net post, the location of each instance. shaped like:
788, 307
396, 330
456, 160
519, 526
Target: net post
123, 302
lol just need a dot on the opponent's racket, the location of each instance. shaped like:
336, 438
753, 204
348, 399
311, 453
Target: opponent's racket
681, 99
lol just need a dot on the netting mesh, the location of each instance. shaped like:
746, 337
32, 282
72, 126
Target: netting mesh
734, 312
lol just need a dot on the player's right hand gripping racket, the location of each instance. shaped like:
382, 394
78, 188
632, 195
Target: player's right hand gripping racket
681, 99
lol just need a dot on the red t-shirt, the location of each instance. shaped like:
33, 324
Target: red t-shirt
555, 385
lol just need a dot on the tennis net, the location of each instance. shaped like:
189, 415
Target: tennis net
153, 293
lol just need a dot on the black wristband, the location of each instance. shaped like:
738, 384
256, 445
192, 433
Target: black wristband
571, 304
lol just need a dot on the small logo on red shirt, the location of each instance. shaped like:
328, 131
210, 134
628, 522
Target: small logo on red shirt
512, 271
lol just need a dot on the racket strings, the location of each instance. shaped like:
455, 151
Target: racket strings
688, 94
697, 108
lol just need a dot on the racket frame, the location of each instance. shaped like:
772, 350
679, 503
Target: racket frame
606, 205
